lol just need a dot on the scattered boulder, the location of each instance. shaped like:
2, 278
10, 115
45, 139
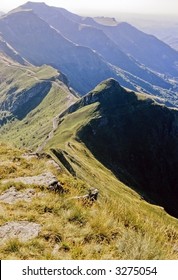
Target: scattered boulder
93, 194
56, 187
89, 198
11, 195
22, 230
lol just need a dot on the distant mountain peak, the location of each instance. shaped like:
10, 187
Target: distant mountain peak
106, 21
36, 3
30, 5
19, 11
108, 84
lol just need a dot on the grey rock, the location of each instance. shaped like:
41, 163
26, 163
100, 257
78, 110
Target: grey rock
45, 179
11, 195
22, 230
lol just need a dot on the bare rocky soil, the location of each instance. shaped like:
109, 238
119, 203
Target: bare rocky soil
11, 195
22, 230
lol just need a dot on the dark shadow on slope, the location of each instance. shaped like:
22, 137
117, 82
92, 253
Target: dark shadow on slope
61, 155
30, 99
138, 141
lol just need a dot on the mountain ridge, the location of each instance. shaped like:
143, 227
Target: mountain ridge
72, 122
116, 33
90, 33
124, 132
30, 98
23, 36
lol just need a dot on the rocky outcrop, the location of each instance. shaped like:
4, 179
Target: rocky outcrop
47, 180
22, 230
11, 195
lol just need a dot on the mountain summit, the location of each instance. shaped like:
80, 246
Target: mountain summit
133, 136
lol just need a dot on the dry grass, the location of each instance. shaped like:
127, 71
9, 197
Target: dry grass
118, 226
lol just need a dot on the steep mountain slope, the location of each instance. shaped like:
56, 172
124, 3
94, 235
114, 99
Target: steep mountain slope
95, 38
172, 41
22, 88
30, 97
118, 226
114, 227
7, 50
145, 48
123, 143
41, 44
130, 134
164, 28
38, 125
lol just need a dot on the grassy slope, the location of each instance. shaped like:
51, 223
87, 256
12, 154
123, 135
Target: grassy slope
14, 75
118, 226
16, 80
126, 134
32, 130
132, 228
35, 127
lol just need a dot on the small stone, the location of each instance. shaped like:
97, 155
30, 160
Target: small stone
56, 187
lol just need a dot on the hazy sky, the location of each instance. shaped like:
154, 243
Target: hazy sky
105, 7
